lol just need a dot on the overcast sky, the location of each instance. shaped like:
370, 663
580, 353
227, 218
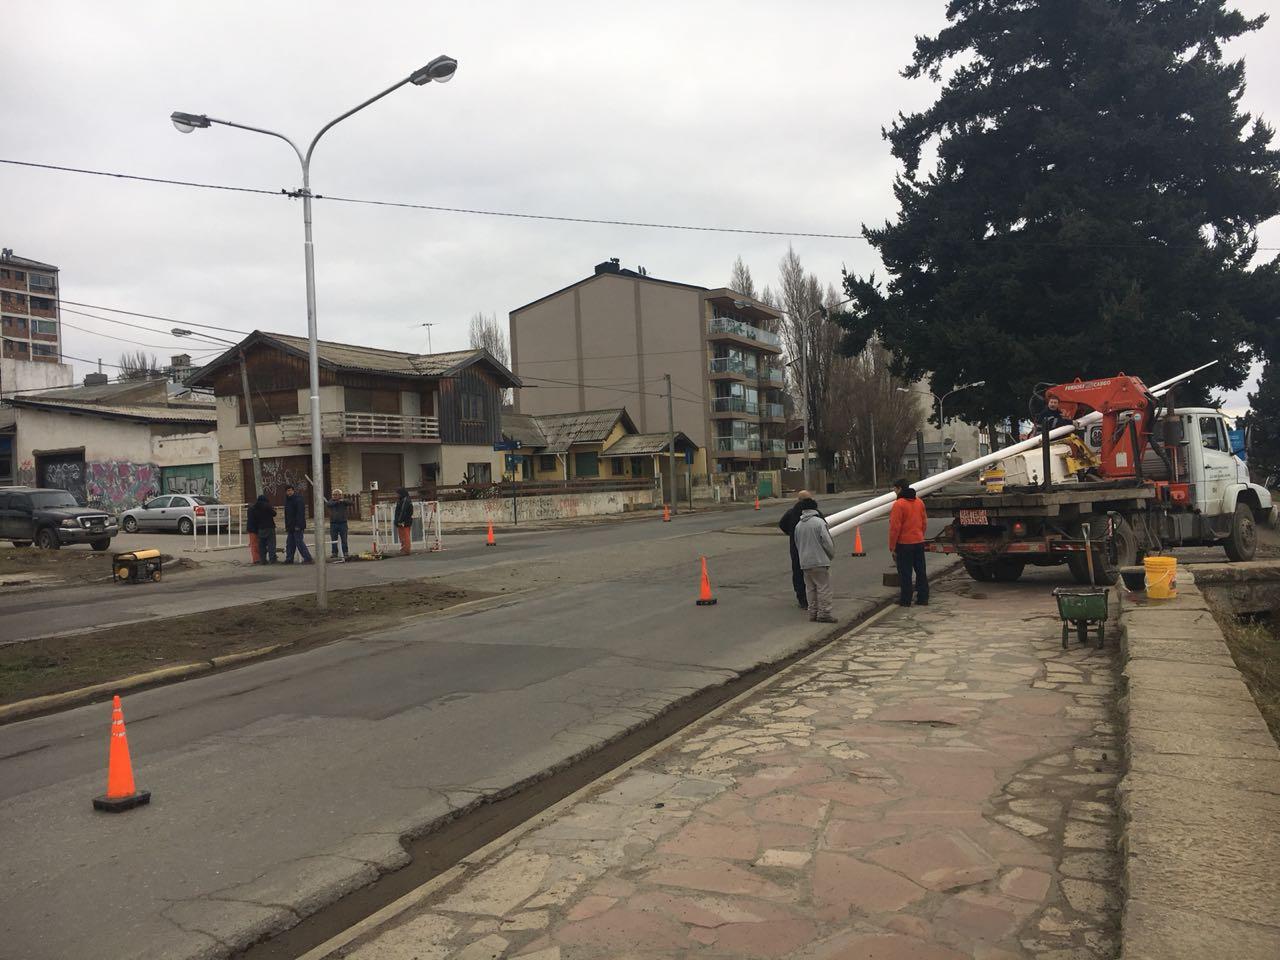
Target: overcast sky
752, 114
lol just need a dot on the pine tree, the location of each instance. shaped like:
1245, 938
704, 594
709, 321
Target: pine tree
1092, 208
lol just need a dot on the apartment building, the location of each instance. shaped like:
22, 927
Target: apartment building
29, 316
610, 339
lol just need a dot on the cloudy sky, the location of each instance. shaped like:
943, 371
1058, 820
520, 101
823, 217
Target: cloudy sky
764, 115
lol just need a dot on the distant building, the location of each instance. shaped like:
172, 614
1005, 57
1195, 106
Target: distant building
592, 445
29, 315
613, 335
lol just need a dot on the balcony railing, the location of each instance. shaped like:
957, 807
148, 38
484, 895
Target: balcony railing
340, 425
734, 365
736, 328
775, 446
734, 405
737, 445
774, 411
774, 375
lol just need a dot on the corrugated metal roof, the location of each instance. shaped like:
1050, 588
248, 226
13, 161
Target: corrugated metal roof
136, 389
154, 413
562, 430
376, 360
524, 428
641, 444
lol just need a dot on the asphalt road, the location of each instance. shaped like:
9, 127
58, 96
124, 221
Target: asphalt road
280, 785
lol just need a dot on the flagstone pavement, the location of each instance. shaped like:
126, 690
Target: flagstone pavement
936, 786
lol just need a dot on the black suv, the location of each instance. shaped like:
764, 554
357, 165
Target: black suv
50, 518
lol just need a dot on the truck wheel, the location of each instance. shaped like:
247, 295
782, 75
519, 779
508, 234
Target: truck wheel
977, 571
1007, 571
47, 539
1242, 542
1123, 552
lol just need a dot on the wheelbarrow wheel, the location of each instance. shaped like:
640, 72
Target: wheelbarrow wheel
1082, 632
1102, 635
1064, 635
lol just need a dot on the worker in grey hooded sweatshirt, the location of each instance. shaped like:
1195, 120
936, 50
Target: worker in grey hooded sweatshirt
813, 544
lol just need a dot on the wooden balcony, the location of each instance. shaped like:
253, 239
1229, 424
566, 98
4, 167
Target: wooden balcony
361, 428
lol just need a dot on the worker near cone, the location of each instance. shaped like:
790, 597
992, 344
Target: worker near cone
907, 522
402, 519
788, 526
815, 548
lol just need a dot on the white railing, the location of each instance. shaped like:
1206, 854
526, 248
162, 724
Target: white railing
425, 532
738, 328
339, 425
221, 528
733, 365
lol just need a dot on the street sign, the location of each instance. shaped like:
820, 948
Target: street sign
505, 444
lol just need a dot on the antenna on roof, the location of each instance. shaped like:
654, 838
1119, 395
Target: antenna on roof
428, 326
642, 271
6, 253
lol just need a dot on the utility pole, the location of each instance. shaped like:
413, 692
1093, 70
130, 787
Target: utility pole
671, 448
875, 484
428, 326
253, 427
804, 389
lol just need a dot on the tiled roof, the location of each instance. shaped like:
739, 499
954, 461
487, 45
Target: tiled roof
150, 413
562, 430
641, 444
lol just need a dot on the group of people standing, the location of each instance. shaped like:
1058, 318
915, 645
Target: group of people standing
261, 527
812, 551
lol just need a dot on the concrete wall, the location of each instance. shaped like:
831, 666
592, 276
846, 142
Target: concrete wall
551, 507
22, 375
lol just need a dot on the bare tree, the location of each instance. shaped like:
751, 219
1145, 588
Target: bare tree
740, 279
486, 332
876, 409
139, 365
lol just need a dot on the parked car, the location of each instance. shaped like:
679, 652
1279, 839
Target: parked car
179, 511
50, 518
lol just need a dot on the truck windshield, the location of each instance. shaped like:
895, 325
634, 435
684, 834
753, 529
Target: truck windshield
53, 498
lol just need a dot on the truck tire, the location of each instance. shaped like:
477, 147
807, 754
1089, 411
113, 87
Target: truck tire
1106, 563
47, 539
977, 571
1242, 541
1007, 570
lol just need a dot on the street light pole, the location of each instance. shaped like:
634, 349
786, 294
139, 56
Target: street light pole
440, 70
671, 447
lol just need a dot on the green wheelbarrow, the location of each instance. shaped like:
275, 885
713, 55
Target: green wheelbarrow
1082, 608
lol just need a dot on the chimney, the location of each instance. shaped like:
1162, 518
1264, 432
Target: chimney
611, 265
95, 379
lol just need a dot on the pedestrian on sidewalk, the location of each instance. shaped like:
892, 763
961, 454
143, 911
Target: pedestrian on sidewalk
403, 520
813, 544
295, 525
788, 526
337, 523
262, 515
907, 522
251, 528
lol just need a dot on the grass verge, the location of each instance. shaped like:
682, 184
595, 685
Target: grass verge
35, 668
1255, 645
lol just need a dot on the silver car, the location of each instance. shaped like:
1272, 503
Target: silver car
179, 511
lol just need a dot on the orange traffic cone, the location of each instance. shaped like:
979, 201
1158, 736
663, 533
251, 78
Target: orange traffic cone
121, 793
705, 599
488, 540
757, 502
857, 543
666, 513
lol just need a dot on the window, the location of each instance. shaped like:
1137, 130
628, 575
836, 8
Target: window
1211, 433
159, 503
359, 400
637, 466
480, 472
42, 281
44, 326
18, 322
19, 275
586, 465
548, 463
618, 466
40, 303
269, 405
44, 350
472, 406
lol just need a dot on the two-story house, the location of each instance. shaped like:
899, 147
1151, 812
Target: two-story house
386, 417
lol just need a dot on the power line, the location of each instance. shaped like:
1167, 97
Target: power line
148, 316
134, 176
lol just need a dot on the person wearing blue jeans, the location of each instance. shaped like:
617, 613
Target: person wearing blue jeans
337, 523
295, 525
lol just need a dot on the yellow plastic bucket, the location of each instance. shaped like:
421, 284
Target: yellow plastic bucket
1162, 577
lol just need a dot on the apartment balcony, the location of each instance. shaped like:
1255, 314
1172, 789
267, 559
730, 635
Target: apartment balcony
737, 448
774, 448
733, 406
361, 428
733, 368
774, 376
727, 328
773, 411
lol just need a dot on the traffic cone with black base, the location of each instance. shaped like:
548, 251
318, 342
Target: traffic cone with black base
857, 543
705, 599
488, 540
121, 793
666, 513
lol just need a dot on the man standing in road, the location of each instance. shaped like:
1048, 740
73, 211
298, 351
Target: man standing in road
813, 543
907, 522
337, 523
403, 520
295, 525
788, 526
262, 517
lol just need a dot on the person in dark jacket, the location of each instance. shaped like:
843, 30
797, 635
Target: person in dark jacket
788, 526
403, 519
295, 525
262, 518
337, 523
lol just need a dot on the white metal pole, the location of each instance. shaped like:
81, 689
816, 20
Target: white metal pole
313, 363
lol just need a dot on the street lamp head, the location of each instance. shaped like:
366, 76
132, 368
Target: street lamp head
186, 122
978, 383
179, 332
441, 70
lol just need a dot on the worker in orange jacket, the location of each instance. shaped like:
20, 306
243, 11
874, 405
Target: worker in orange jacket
907, 521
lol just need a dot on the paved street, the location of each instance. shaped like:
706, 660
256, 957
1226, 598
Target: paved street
281, 784
938, 786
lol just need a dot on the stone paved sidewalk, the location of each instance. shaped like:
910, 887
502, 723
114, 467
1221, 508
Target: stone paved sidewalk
937, 786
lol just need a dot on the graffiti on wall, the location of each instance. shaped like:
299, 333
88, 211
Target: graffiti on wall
26, 474
121, 484
196, 486
278, 473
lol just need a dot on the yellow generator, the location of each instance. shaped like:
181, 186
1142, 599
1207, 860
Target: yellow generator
136, 567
